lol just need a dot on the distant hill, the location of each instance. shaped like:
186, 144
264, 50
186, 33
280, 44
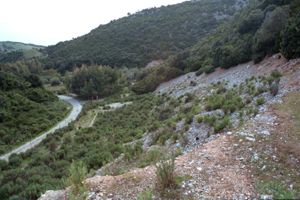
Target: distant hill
15, 51
9, 46
150, 34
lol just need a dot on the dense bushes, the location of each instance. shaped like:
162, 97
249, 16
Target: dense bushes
229, 102
267, 37
11, 56
26, 109
251, 22
77, 173
153, 77
45, 167
94, 81
290, 43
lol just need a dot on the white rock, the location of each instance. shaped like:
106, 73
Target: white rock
250, 139
266, 197
199, 168
255, 157
265, 132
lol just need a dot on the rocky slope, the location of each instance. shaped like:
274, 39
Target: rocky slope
234, 164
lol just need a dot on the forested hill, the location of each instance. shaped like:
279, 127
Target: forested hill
142, 37
265, 27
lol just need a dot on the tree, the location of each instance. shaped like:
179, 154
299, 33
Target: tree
34, 80
252, 22
267, 38
94, 81
290, 39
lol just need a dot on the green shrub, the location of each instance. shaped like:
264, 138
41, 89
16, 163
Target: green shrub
200, 119
164, 136
165, 113
3, 165
241, 117
210, 119
208, 69
260, 101
55, 82
154, 77
260, 90
199, 72
186, 127
133, 151
152, 156
219, 126
276, 74
290, 42
214, 102
146, 195
165, 177
189, 119
189, 97
252, 22
15, 160
274, 88
77, 173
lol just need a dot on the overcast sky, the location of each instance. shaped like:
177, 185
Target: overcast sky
47, 22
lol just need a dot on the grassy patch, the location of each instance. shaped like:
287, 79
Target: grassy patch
277, 190
277, 173
146, 195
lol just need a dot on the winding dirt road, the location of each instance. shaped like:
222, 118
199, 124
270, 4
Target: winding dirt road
76, 109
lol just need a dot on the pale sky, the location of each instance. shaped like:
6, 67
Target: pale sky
48, 22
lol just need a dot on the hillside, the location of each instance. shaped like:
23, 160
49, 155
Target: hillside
27, 109
261, 29
9, 46
190, 112
237, 138
258, 30
215, 115
148, 35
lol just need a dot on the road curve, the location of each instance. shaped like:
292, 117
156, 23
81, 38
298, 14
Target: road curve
76, 109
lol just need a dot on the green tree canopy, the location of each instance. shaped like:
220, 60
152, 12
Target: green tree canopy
94, 81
